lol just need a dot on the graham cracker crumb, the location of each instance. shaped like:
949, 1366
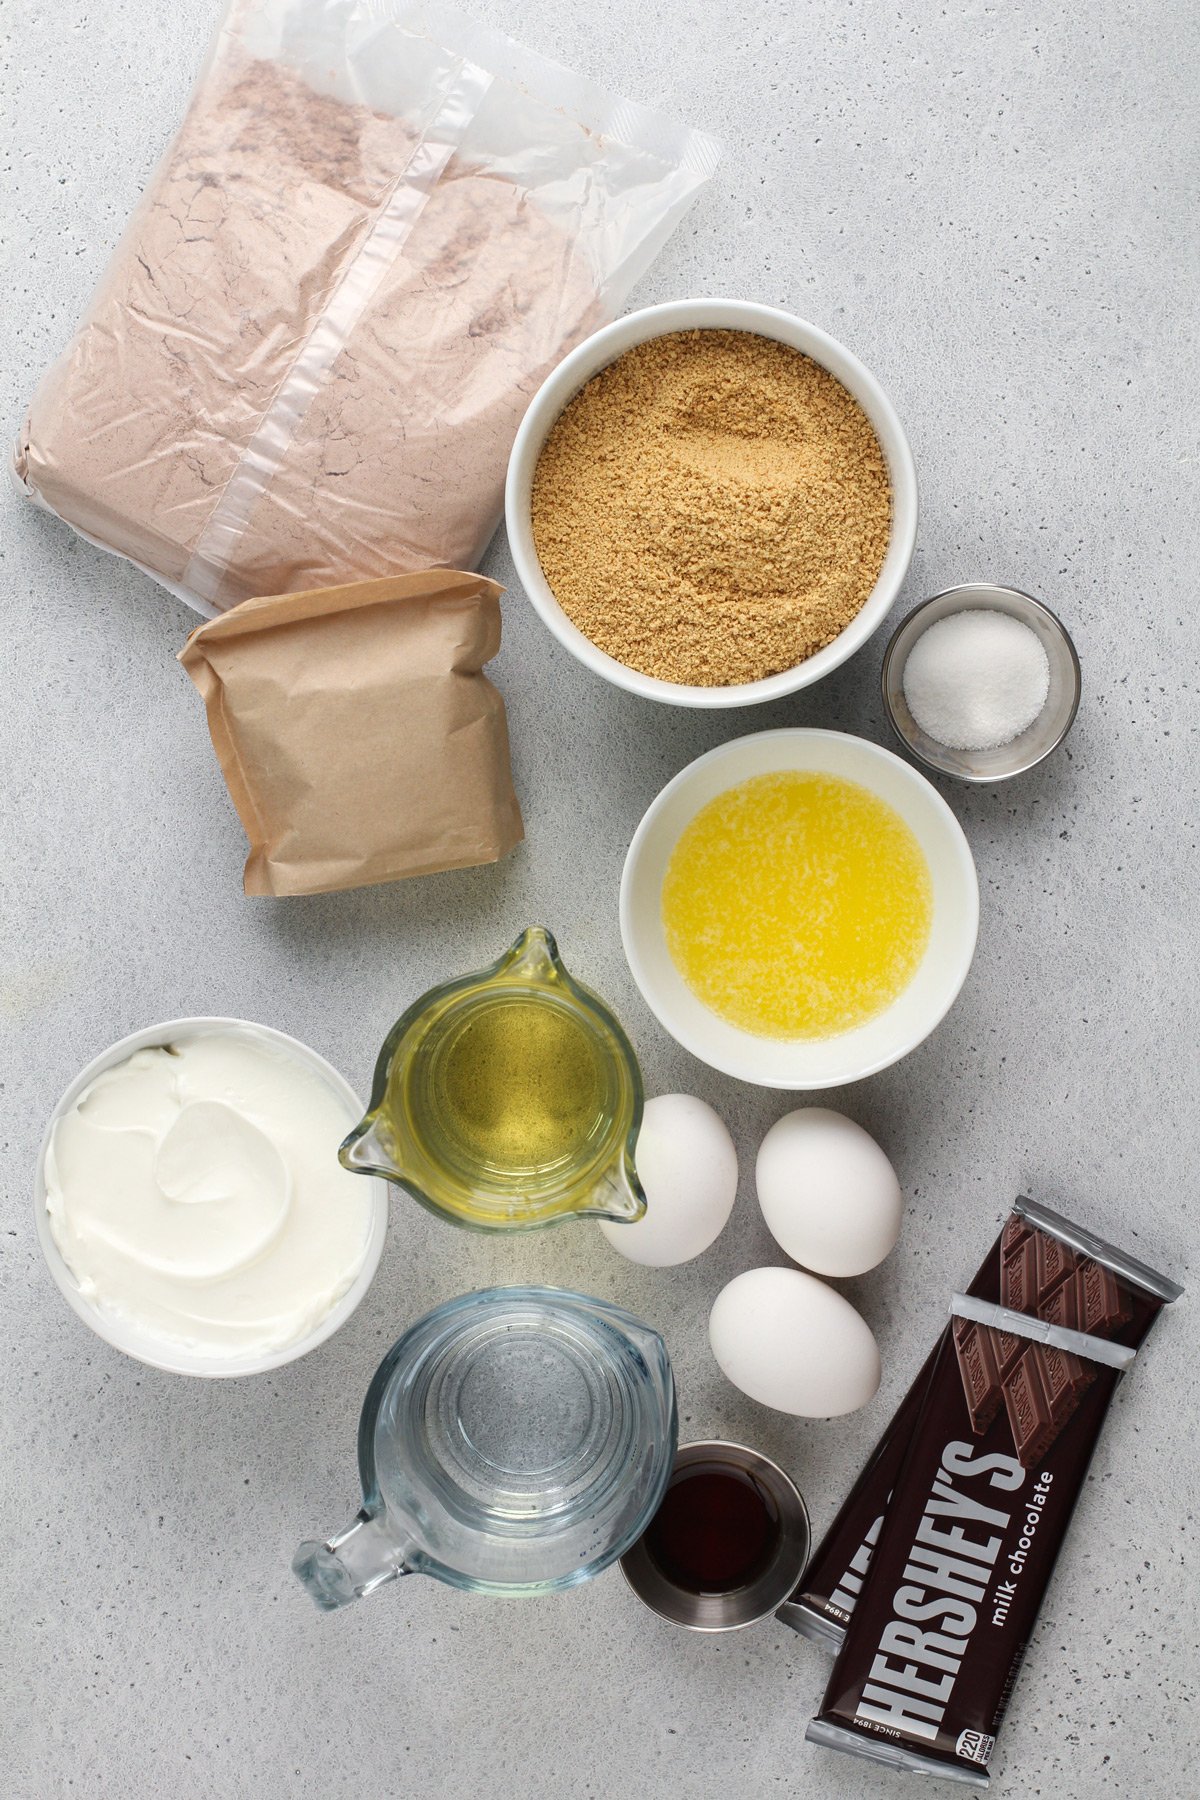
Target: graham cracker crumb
712, 508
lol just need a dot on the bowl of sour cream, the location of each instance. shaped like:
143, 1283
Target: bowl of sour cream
190, 1204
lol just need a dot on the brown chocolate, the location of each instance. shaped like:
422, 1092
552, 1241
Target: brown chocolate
1018, 1278
973, 1519
1056, 1263
1008, 1350
1016, 1230
1031, 1414
1039, 1386
838, 1568
1065, 1378
980, 1377
1062, 1308
1101, 1308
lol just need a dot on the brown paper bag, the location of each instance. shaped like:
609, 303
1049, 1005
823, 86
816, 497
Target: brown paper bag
358, 737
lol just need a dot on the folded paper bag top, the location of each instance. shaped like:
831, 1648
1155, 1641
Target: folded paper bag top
358, 736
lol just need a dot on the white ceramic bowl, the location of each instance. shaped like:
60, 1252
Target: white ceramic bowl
812, 1062
602, 348
145, 1346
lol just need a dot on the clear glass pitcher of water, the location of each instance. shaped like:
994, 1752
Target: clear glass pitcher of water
515, 1441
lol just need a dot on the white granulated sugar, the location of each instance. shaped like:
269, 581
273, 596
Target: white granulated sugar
976, 680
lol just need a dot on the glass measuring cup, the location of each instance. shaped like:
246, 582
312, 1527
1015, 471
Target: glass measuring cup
507, 1099
514, 1441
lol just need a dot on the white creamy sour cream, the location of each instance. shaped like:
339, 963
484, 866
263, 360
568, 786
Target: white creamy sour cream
195, 1191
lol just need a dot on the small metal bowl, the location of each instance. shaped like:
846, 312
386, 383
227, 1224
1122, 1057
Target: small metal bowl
1033, 745
737, 1607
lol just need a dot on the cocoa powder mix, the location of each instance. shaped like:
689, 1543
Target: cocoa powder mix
712, 508
309, 356
266, 200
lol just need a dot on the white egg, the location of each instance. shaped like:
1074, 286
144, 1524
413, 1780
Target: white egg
790, 1342
687, 1165
828, 1193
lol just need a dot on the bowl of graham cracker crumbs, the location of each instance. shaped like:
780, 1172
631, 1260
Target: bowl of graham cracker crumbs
711, 503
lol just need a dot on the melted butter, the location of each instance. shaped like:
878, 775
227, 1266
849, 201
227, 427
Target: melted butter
797, 905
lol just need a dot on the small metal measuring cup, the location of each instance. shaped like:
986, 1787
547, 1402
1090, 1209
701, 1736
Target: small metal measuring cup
1034, 744
731, 1609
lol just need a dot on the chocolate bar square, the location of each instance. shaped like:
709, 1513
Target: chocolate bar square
1098, 1299
1008, 1351
1016, 1230
1064, 1378
980, 1378
1062, 1307
1018, 1278
1030, 1414
1056, 1263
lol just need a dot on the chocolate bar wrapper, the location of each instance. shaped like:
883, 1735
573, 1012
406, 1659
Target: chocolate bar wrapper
1016, 1399
822, 1605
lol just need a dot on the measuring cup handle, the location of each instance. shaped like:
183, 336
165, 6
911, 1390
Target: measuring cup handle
352, 1564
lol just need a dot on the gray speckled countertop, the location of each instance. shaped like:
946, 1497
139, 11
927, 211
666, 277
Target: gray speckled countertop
994, 206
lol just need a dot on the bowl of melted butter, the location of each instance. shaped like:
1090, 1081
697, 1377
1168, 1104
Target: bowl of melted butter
799, 908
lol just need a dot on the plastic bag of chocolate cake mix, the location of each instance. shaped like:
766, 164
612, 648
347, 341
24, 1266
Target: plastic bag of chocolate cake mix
378, 228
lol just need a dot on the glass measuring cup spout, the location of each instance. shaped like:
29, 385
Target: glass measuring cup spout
507, 1099
514, 1441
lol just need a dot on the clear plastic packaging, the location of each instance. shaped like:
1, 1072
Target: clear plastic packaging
378, 228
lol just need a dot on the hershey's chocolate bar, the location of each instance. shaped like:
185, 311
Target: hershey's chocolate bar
821, 1606
978, 1512
823, 1603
